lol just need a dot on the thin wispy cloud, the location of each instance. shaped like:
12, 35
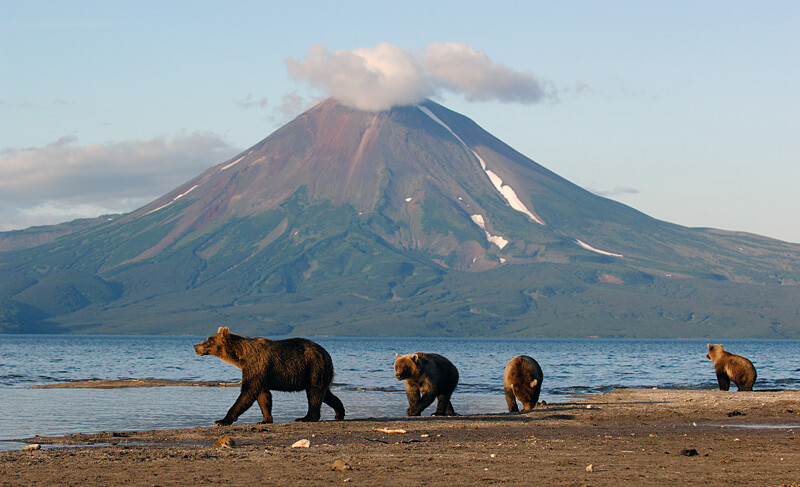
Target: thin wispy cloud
617, 191
63, 180
291, 104
384, 76
250, 101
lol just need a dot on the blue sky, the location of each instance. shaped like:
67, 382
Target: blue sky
687, 111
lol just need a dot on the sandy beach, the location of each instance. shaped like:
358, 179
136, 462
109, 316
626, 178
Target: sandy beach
632, 436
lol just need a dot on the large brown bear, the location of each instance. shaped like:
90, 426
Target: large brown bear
730, 367
427, 376
522, 380
295, 364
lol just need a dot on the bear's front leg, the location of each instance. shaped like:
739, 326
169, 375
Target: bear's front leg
724, 381
424, 401
412, 392
511, 401
246, 398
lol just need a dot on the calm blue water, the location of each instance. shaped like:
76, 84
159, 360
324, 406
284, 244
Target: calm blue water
364, 377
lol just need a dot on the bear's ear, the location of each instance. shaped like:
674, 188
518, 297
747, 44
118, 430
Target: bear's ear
415, 357
223, 330
710, 346
396, 356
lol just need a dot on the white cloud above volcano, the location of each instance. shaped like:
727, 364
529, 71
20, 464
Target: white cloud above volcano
380, 77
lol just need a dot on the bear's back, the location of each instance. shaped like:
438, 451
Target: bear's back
520, 369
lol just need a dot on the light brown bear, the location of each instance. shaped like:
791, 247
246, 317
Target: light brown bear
522, 380
427, 376
730, 367
295, 364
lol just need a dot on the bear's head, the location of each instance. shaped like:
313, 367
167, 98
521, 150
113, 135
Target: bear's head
714, 352
406, 366
215, 344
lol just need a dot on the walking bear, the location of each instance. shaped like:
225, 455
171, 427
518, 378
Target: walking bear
427, 376
730, 367
295, 364
523, 380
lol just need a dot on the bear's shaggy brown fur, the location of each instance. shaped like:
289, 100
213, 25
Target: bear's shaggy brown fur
730, 367
523, 380
427, 376
295, 364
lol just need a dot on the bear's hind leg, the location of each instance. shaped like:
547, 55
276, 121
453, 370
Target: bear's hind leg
441, 406
746, 380
314, 405
335, 403
265, 403
450, 411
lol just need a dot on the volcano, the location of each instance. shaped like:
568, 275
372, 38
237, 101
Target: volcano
412, 221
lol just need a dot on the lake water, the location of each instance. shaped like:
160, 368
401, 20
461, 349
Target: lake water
364, 377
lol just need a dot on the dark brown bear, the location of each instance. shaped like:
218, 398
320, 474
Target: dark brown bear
522, 380
427, 376
730, 367
295, 364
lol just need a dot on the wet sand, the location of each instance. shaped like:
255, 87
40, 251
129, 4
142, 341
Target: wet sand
632, 436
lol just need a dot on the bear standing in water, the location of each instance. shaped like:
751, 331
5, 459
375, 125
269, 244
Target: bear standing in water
427, 376
523, 380
730, 367
295, 364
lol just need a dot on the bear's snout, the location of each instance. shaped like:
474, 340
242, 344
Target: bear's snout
199, 349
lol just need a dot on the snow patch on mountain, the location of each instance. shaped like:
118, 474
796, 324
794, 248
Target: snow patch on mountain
505, 190
173, 200
495, 239
602, 252
236, 161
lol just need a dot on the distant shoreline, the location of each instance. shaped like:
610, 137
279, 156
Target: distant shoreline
640, 436
120, 383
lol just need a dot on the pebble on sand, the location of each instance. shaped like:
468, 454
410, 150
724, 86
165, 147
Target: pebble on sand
340, 466
301, 444
224, 442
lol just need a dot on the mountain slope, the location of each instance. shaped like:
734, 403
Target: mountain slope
413, 221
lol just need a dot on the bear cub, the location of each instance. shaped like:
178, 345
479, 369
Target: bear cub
427, 376
295, 364
730, 367
522, 380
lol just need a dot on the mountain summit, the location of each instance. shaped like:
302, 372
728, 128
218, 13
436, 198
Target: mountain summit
413, 221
